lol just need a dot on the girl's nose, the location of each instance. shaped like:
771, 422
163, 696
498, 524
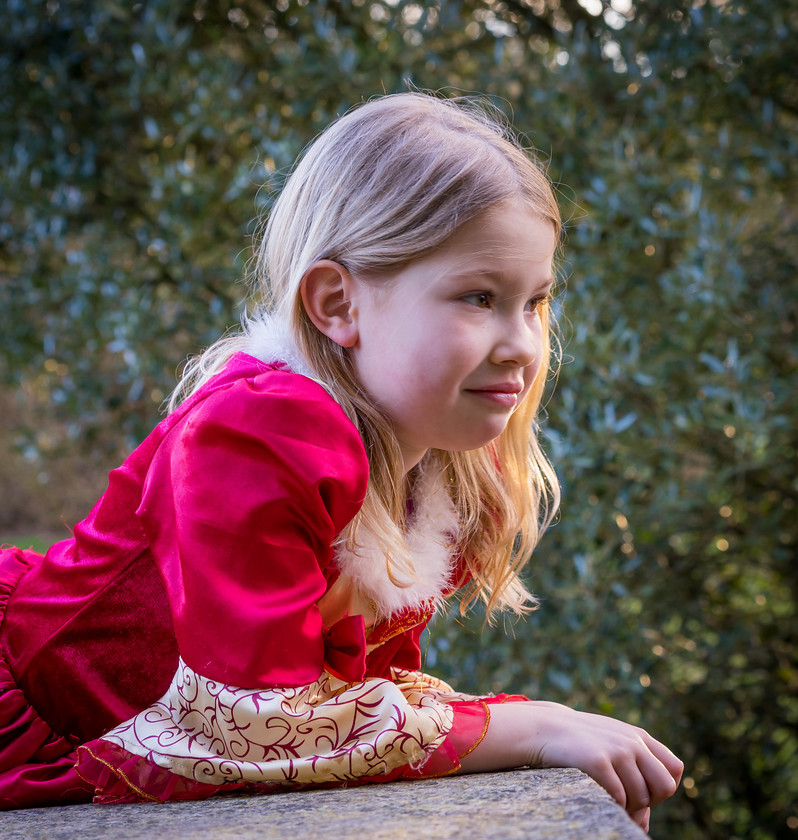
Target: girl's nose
517, 342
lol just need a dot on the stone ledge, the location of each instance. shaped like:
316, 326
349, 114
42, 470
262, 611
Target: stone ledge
517, 805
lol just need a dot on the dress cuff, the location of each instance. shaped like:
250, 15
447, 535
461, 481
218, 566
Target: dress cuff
471, 721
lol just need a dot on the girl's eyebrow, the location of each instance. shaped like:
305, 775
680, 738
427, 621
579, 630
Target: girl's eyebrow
489, 274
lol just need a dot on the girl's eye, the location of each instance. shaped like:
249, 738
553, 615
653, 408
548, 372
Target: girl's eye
482, 300
537, 302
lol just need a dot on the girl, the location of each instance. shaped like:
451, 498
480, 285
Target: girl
242, 608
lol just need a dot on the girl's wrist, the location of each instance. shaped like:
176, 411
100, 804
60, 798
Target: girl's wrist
510, 740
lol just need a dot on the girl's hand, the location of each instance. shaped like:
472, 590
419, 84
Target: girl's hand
634, 768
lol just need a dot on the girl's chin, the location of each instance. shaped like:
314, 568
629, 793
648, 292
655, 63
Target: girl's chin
477, 442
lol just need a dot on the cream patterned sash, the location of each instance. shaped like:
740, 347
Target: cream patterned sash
326, 731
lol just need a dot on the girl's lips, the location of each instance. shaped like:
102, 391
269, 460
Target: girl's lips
504, 395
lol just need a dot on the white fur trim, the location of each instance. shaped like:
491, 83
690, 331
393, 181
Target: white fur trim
271, 340
431, 537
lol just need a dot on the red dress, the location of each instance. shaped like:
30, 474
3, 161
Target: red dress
204, 565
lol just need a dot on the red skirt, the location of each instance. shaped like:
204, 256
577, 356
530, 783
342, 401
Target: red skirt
70, 669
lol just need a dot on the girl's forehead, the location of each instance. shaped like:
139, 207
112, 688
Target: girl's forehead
509, 231
511, 251
505, 242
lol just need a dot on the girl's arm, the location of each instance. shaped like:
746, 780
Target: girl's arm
633, 767
241, 505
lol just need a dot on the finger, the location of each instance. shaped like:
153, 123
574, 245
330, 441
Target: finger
674, 765
657, 778
634, 782
642, 818
604, 773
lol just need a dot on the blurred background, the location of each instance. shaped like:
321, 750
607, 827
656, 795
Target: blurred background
139, 141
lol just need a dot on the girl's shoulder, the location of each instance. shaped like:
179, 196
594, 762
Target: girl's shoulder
269, 372
266, 406
260, 386
246, 376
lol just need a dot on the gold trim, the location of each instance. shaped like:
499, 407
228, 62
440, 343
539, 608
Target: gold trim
394, 629
479, 740
118, 773
482, 734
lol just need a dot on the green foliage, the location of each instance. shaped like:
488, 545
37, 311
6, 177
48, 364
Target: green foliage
135, 140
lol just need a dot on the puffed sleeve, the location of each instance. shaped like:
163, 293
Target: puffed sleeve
240, 506
203, 738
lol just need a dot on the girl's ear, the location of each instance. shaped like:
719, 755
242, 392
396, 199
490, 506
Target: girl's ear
325, 290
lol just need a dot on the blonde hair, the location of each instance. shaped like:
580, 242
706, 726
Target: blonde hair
385, 184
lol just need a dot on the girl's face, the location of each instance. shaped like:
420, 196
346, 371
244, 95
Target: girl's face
449, 345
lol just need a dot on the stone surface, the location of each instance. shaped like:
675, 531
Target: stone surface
516, 805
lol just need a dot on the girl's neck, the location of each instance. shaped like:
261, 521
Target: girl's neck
410, 464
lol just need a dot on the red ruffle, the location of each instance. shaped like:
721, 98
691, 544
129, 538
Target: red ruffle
36, 763
471, 720
119, 776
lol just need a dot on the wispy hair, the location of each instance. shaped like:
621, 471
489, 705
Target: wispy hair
386, 184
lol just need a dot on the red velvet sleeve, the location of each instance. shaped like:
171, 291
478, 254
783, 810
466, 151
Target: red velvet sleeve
240, 506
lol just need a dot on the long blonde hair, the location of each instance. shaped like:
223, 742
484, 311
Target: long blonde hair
388, 183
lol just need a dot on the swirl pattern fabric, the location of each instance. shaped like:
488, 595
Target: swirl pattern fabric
327, 731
